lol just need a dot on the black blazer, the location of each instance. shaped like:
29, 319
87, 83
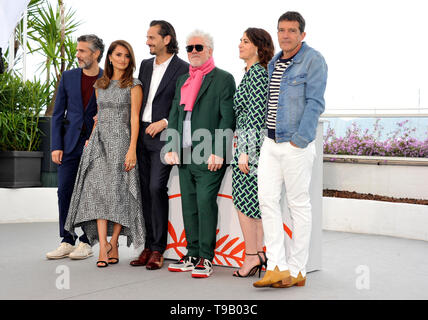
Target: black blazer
165, 94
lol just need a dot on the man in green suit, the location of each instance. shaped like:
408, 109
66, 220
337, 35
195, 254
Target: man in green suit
200, 131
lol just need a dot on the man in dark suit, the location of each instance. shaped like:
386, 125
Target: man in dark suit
202, 115
72, 122
158, 76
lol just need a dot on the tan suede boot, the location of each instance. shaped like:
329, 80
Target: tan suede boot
272, 277
299, 282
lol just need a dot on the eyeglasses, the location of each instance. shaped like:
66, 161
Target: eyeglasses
198, 47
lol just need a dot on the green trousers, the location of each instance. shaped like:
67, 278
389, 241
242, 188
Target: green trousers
199, 189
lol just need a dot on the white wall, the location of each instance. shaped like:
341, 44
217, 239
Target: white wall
28, 205
376, 217
386, 180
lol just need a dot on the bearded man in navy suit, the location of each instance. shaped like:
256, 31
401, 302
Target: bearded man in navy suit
158, 76
72, 123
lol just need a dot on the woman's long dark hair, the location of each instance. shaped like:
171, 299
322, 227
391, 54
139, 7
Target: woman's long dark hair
127, 77
263, 41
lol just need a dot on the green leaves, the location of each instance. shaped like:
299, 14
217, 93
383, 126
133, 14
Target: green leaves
21, 103
44, 35
20, 107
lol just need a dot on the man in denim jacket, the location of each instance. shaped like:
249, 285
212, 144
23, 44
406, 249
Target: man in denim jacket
297, 81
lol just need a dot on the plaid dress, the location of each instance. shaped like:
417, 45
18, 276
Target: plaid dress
103, 189
250, 105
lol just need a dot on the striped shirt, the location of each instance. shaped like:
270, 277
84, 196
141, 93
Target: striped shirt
274, 84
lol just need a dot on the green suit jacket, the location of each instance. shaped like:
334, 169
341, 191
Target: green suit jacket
213, 111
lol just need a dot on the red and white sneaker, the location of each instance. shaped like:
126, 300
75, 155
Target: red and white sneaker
203, 269
186, 263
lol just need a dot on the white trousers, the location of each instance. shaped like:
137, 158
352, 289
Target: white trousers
283, 164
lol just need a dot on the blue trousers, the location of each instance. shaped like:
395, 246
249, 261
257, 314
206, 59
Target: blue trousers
67, 172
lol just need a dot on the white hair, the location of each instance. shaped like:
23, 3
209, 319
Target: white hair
208, 39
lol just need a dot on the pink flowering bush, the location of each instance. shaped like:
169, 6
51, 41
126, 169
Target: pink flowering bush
399, 143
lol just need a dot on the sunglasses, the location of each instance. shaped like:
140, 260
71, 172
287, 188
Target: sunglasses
198, 47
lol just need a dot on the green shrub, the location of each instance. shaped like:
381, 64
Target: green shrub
20, 107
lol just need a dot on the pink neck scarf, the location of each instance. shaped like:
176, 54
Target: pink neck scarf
190, 89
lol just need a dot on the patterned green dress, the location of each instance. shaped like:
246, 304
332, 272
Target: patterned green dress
250, 105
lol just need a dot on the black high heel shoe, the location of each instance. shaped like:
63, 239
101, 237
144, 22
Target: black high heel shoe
263, 263
253, 270
113, 260
102, 263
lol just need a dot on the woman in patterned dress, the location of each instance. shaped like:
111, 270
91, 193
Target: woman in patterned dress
256, 49
106, 198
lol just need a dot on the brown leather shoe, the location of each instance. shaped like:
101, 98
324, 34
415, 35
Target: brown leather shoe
142, 259
155, 261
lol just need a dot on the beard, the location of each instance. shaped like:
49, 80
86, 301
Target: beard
85, 64
152, 50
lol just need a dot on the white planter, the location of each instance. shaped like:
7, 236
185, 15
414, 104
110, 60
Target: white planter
376, 217
393, 177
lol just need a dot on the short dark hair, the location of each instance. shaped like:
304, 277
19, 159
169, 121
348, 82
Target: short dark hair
293, 16
166, 29
95, 43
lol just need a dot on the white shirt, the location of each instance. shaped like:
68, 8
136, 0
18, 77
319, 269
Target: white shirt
157, 75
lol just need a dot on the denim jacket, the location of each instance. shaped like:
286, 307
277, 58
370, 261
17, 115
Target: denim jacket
301, 96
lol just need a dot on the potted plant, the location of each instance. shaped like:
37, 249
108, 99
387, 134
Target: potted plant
50, 32
20, 107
